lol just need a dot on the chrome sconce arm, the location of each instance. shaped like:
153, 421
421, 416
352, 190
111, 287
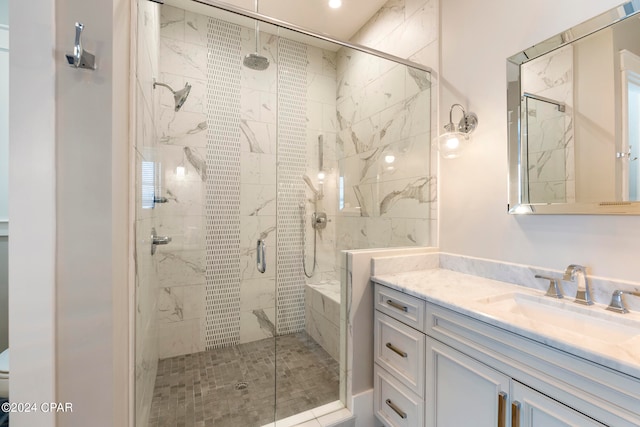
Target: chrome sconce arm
457, 136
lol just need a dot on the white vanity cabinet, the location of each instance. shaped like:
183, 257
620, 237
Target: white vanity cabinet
399, 354
469, 393
534, 409
477, 374
463, 391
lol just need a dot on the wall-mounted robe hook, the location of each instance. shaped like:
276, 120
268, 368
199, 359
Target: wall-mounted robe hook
80, 57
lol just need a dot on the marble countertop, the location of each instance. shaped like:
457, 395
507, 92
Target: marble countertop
467, 294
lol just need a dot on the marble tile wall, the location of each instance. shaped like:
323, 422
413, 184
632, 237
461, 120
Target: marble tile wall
147, 23
182, 153
322, 315
549, 131
258, 151
321, 195
183, 141
396, 198
517, 274
524, 275
383, 143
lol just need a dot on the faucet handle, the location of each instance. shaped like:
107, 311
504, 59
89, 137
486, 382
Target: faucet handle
554, 288
617, 303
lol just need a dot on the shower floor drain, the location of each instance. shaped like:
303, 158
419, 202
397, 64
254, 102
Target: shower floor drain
241, 385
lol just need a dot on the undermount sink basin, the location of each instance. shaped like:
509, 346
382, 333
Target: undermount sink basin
591, 322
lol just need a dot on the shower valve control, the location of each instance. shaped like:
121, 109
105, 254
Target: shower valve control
319, 220
158, 240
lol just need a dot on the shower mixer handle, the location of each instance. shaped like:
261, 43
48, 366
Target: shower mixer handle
319, 220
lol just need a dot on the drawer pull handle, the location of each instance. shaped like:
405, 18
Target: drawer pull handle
397, 410
515, 414
398, 306
502, 409
396, 350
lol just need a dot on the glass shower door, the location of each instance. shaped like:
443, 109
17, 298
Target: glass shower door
205, 318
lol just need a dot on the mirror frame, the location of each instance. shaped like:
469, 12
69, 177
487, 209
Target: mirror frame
514, 63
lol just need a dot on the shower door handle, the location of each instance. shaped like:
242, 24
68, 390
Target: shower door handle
261, 260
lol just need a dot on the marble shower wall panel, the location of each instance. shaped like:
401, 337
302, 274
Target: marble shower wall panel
409, 29
257, 97
182, 154
321, 125
549, 132
183, 137
292, 139
146, 108
384, 153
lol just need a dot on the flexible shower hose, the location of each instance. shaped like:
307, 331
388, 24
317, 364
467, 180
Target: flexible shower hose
304, 245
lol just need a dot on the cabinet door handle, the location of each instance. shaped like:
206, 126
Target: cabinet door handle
397, 410
502, 409
398, 306
515, 414
396, 349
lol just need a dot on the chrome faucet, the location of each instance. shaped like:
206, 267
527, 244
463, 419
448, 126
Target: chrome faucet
583, 293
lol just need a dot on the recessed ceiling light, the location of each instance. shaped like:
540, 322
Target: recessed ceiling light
334, 4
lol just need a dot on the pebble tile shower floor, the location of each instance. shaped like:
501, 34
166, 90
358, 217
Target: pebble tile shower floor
235, 387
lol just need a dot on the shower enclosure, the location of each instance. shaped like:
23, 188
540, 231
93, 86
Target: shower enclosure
263, 170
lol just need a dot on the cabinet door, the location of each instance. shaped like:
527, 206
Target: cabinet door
534, 409
462, 391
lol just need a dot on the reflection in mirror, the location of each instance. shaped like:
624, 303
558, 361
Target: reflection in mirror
546, 149
574, 112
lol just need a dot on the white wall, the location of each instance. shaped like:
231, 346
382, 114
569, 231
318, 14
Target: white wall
473, 196
32, 148
4, 116
92, 250
4, 173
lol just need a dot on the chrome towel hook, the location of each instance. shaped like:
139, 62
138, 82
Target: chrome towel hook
80, 57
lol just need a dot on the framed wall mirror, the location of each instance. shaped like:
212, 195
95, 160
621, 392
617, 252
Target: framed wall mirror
573, 110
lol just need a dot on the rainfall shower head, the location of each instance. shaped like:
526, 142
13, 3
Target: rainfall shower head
179, 96
256, 62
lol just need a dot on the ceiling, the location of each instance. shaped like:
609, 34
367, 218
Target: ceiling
316, 15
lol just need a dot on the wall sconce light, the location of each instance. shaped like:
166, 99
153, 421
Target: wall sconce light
453, 142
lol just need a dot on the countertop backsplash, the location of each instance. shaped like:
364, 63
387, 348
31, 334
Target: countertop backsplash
518, 274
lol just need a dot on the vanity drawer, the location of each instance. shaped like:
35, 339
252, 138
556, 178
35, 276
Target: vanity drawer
405, 308
401, 351
393, 403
